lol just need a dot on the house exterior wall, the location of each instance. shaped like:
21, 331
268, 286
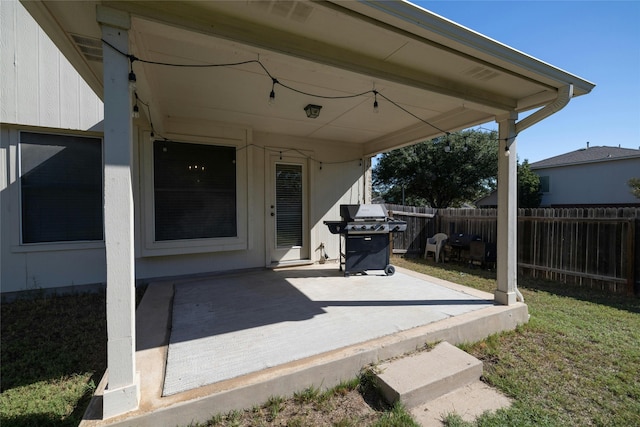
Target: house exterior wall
339, 179
41, 92
598, 183
39, 87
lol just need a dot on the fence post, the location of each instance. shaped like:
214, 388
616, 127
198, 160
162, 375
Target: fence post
633, 251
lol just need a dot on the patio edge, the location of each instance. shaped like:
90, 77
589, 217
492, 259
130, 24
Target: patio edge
323, 371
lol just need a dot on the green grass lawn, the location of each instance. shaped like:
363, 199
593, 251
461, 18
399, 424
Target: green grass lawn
53, 353
577, 361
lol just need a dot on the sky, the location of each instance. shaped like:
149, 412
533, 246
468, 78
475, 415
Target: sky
598, 41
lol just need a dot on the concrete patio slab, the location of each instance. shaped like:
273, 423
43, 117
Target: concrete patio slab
243, 324
328, 326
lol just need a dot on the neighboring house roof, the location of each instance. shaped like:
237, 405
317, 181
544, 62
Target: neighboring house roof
587, 155
490, 199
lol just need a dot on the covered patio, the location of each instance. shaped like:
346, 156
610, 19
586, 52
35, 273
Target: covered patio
213, 344
224, 87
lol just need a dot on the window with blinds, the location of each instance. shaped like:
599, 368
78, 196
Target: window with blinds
288, 205
194, 191
61, 188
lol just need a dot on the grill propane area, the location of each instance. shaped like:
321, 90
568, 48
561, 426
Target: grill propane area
365, 230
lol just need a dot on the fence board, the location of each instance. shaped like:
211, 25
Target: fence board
593, 247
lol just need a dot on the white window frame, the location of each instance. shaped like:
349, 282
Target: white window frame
152, 247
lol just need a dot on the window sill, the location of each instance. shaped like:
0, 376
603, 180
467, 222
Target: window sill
186, 247
56, 246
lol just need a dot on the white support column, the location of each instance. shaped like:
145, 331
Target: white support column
123, 390
507, 262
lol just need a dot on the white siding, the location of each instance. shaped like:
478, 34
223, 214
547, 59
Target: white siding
24, 267
592, 183
39, 87
39, 266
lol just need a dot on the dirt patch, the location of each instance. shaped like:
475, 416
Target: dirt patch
343, 406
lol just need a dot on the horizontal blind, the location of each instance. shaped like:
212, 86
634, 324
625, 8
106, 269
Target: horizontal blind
194, 191
61, 188
288, 205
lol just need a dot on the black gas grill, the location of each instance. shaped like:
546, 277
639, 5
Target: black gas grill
366, 231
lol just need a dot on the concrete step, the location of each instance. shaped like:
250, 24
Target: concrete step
469, 402
425, 376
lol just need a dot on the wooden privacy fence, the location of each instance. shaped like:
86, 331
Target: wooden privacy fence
593, 247
420, 226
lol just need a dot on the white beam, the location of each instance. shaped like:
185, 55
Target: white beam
507, 246
123, 391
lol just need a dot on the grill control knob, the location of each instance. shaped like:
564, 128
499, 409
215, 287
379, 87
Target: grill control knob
364, 227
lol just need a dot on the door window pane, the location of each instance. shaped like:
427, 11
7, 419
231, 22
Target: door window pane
194, 191
288, 205
61, 188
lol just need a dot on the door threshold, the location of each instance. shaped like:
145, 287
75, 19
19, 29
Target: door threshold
293, 263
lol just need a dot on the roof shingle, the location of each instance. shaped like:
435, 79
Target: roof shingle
587, 155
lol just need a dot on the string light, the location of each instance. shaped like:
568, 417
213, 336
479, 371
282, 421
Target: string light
272, 95
132, 75
375, 101
274, 81
136, 110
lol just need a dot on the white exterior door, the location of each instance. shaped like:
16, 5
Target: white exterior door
287, 225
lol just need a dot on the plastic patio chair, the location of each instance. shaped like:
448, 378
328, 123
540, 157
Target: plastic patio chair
435, 244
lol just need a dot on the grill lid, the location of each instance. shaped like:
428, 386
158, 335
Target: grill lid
363, 212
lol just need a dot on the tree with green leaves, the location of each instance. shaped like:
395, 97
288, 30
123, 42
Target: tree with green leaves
444, 172
529, 194
634, 184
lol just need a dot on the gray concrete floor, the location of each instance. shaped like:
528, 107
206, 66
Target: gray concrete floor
230, 326
219, 343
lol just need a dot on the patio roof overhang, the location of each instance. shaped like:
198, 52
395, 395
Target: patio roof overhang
442, 73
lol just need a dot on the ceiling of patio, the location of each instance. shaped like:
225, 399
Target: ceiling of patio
317, 48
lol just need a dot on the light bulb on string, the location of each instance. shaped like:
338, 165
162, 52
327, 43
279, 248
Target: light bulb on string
136, 110
375, 101
132, 76
272, 95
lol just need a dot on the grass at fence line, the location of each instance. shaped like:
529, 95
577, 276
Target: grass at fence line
576, 362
